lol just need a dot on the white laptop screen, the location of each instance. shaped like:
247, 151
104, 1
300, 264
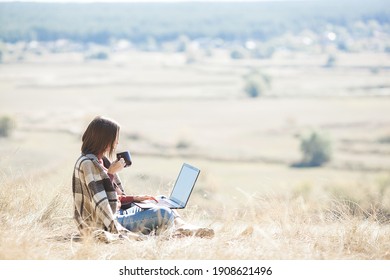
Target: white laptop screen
184, 184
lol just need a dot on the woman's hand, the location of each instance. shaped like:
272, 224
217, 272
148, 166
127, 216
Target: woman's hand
116, 166
139, 198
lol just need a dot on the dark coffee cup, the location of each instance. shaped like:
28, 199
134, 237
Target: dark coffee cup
126, 156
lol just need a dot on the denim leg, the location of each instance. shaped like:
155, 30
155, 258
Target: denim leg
139, 220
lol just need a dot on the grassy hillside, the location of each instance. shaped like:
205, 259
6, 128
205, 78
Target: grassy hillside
172, 112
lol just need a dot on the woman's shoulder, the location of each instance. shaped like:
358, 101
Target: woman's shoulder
86, 159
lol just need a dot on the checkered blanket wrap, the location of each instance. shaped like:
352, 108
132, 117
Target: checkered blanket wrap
95, 198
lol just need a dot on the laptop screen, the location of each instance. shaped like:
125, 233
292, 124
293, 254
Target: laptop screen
184, 184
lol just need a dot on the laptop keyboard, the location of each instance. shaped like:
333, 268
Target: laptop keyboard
164, 203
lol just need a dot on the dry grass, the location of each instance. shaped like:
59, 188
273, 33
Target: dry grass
37, 224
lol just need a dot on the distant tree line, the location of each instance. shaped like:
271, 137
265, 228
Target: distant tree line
139, 22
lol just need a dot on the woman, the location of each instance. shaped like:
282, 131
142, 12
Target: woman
97, 191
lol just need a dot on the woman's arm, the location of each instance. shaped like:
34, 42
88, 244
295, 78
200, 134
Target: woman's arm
135, 198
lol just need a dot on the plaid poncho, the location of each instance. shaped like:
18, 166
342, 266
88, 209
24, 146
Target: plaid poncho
95, 198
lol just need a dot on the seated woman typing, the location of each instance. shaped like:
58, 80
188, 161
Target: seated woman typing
98, 192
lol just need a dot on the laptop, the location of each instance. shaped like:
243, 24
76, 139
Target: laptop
181, 191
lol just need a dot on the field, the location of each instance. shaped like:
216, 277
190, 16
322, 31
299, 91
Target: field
172, 111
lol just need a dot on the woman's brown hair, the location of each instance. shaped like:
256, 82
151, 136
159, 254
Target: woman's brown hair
100, 134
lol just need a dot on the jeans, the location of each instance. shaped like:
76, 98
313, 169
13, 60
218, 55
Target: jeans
145, 221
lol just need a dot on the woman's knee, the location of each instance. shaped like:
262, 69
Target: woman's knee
165, 215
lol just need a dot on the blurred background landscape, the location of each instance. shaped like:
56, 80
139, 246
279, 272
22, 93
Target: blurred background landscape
283, 105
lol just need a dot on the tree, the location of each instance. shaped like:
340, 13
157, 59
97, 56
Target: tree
331, 62
257, 84
6, 126
316, 149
